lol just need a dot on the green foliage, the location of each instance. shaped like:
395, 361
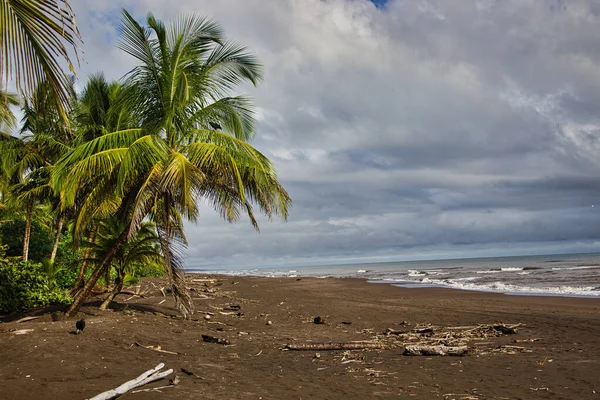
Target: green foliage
40, 244
25, 285
143, 270
3, 249
68, 260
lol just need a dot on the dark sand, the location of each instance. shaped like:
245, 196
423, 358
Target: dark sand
51, 363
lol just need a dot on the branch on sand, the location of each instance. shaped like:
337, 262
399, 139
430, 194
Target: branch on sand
334, 346
151, 375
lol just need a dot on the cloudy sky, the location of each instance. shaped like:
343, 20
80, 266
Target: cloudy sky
406, 129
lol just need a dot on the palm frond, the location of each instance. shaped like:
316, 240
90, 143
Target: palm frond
34, 35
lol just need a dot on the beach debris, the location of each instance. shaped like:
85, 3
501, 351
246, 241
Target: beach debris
269, 323
21, 331
507, 349
346, 322
172, 383
435, 350
207, 317
334, 346
507, 330
527, 340
155, 348
424, 330
212, 339
151, 375
25, 319
319, 320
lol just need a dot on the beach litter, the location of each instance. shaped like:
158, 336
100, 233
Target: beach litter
151, 375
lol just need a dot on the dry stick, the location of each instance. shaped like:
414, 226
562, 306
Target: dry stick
435, 350
25, 319
156, 389
527, 340
155, 348
21, 331
145, 378
334, 346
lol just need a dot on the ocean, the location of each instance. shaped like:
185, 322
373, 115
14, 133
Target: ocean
573, 275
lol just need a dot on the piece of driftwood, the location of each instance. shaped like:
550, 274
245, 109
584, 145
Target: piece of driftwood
527, 340
25, 319
172, 383
21, 331
424, 330
151, 375
334, 346
212, 339
419, 350
391, 331
155, 348
507, 330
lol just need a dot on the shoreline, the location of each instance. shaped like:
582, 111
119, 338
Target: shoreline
558, 357
407, 285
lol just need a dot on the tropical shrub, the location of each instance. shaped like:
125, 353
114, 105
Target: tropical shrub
25, 285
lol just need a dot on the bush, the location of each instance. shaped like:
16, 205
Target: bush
25, 285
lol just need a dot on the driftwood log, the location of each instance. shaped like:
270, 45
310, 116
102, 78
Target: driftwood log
419, 350
334, 346
212, 339
151, 375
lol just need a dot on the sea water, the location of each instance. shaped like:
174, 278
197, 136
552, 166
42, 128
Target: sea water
555, 275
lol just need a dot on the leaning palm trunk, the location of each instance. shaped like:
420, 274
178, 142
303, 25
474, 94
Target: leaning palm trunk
116, 290
27, 234
56, 240
79, 283
172, 262
96, 274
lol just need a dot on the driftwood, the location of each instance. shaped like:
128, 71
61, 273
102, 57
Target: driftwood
151, 375
25, 319
527, 340
21, 331
507, 330
172, 383
212, 339
435, 350
155, 348
334, 346
391, 331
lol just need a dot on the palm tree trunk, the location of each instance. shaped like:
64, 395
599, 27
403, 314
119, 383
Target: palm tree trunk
27, 234
96, 274
116, 290
56, 239
80, 277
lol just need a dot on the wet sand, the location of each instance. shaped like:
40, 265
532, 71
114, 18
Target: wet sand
51, 363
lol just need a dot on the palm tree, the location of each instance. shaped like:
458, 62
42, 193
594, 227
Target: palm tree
34, 37
161, 170
142, 248
52, 138
98, 110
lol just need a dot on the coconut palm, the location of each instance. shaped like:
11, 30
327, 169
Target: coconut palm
161, 171
34, 38
98, 110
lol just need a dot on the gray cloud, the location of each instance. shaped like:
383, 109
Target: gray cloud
422, 128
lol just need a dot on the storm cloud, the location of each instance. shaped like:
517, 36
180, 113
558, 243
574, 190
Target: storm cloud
405, 129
